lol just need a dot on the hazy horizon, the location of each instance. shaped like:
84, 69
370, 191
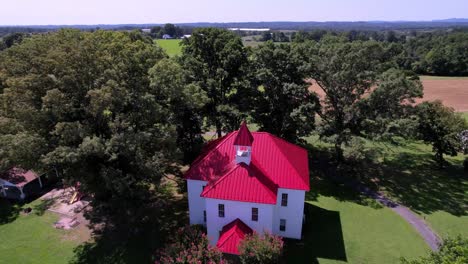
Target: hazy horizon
89, 12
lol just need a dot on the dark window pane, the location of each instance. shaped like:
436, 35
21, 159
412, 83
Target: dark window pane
254, 214
221, 210
284, 199
282, 225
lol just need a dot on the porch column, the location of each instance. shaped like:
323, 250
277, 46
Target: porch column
40, 181
22, 196
3, 190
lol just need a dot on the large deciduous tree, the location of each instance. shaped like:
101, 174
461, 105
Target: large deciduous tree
440, 126
282, 105
83, 103
355, 83
186, 101
215, 60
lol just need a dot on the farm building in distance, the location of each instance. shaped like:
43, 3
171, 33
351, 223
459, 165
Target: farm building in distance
245, 182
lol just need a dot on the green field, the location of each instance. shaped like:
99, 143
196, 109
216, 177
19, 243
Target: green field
407, 173
340, 231
32, 238
465, 115
171, 46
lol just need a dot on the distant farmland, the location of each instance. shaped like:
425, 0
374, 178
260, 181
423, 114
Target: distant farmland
453, 91
171, 46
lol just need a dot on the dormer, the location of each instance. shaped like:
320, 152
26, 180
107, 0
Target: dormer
243, 144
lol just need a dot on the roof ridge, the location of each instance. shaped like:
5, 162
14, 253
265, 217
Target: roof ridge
211, 186
210, 152
289, 163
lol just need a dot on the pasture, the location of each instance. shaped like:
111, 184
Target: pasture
171, 46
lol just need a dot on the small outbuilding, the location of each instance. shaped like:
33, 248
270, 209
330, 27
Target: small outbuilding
14, 181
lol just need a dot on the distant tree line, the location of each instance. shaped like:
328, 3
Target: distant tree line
442, 53
169, 29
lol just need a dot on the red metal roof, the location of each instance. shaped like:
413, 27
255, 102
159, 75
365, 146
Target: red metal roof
231, 236
18, 176
246, 183
283, 163
243, 137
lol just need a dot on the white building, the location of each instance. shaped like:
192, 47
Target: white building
246, 182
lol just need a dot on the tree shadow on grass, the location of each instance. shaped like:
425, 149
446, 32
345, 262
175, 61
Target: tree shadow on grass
43, 206
9, 211
322, 238
117, 241
416, 181
325, 180
411, 177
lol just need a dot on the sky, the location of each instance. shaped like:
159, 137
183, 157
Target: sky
69, 12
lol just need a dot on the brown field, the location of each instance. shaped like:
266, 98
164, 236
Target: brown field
452, 91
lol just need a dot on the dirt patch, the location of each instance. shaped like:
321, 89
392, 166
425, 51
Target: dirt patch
453, 92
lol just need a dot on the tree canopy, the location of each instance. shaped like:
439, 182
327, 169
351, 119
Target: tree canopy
282, 92
441, 126
83, 103
215, 60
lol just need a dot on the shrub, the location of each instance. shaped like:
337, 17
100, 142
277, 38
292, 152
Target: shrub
452, 251
190, 246
261, 249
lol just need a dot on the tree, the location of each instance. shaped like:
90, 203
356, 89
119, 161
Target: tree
215, 60
440, 126
261, 249
345, 73
388, 110
167, 81
84, 99
189, 245
282, 104
11, 39
452, 251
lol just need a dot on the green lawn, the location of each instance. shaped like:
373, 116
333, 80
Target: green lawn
465, 115
407, 173
171, 46
345, 231
32, 238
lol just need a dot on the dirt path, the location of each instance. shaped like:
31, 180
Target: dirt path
431, 238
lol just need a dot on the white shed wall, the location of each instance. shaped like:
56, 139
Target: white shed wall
234, 210
196, 203
293, 213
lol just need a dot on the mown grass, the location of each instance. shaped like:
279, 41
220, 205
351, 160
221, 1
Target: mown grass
171, 46
345, 231
465, 115
32, 238
406, 172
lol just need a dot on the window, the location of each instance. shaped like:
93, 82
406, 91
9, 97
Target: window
284, 199
282, 224
254, 214
221, 210
204, 216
